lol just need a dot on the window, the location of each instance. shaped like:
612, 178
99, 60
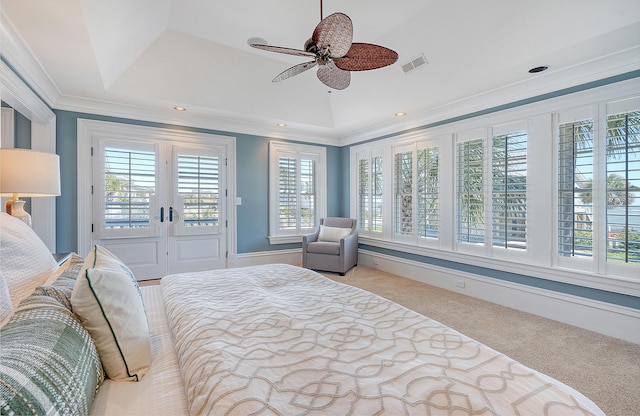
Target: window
470, 191
504, 204
623, 188
370, 192
129, 181
416, 189
126, 189
297, 190
427, 192
575, 189
509, 190
403, 193
599, 211
198, 183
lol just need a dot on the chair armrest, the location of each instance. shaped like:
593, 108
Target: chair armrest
350, 240
310, 238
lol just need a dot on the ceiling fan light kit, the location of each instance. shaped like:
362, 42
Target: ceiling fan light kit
334, 53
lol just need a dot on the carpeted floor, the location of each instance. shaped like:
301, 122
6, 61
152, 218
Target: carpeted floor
605, 369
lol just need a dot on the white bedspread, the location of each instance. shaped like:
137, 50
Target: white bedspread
281, 340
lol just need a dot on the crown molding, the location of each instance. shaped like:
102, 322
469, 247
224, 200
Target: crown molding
199, 118
561, 82
17, 55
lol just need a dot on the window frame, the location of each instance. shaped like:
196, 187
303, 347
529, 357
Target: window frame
278, 149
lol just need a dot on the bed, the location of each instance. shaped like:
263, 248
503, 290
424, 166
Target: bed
264, 340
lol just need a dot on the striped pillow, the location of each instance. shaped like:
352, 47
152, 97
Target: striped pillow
49, 363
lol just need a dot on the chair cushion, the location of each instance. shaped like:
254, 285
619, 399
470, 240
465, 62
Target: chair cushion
324, 247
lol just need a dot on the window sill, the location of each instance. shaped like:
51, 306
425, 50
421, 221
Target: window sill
285, 239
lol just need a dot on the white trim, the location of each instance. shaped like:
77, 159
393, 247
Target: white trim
621, 285
18, 54
291, 256
604, 318
43, 138
7, 126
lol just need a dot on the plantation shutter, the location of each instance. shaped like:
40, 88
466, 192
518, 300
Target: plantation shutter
623, 188
470, 191
370, 187
287, 193
297, 190
403, 192
197, 191
127, 189
575, 189
427, 191
363, 202
509, 190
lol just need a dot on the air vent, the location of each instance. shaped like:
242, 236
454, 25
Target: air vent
414, 64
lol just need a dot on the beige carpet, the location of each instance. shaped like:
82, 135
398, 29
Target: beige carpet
605, 369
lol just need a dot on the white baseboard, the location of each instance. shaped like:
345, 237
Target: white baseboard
293, 256
605, 318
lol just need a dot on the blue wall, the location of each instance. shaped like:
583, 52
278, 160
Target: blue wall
252, 186
252, 175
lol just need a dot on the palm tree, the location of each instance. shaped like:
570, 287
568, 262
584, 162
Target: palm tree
617, 191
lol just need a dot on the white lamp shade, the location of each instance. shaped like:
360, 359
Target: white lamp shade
29, 173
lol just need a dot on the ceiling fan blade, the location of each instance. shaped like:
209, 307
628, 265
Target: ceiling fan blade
280, 49
365, 56
334, 77
294, 70
335, 33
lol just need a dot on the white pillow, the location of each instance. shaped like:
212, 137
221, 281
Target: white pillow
108, 302
333, 234
26, 260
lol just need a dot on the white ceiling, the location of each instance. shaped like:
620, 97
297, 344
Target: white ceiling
147, 56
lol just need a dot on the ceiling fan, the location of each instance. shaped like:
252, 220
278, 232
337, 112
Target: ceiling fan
332, 48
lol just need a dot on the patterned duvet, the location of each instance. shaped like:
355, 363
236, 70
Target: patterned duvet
281, 340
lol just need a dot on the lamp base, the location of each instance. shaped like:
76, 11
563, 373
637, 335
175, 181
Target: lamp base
15, 208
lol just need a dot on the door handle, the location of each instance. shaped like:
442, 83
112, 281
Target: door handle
170, 214
161, 214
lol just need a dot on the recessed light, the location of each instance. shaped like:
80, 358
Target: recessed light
178, 108
400, 114
281, 125
538, 69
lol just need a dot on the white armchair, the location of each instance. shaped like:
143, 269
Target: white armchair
332, 247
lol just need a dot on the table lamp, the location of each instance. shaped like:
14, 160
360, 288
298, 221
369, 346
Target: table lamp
27, 173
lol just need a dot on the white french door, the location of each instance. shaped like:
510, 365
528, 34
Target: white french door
159, 205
